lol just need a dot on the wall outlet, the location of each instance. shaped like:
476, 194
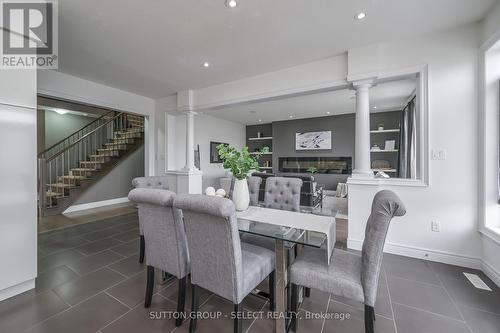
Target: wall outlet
435, 226
438, 154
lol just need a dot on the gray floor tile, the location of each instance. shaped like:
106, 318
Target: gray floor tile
98, 246
60, 243
58, 259
318, 302
456, 272
100, 234
463, 292
480, 321
127, 249
153, 319
423, 296
128, 236
25, 310
223, 324
409, 320
128, 266
94, 262
86, 317
132, 291
79, 289
410, 268
170, 292
54, 277
345, 319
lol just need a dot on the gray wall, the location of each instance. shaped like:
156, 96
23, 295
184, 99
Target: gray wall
117, 183
59, 126
342, 127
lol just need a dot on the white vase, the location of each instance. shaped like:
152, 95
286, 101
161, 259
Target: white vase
241, 197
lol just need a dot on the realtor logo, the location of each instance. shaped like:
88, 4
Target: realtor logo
29, 34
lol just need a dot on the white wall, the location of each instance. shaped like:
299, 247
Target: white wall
489, 105
18, 196
206, 129
451, 197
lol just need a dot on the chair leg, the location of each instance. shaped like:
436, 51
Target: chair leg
141, 249
181, 301
294, 307
194, 308
369, 318
271, 291
307, 292
150, 283
238, 324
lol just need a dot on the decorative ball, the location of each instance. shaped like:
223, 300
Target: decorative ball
210, 191
220, 193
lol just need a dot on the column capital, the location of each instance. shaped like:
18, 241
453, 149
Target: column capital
363, 84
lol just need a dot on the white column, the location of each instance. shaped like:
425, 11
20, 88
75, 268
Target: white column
362, 163
190, 141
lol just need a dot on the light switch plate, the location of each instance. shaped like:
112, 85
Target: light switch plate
438, 154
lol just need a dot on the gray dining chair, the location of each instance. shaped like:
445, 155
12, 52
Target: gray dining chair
166, 244
350, 275
152, 182
283, 193
253, 188
221, 263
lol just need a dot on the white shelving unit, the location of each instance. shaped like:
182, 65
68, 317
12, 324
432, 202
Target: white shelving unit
261, 138
384, 150
385, 170
386, 131
265, 168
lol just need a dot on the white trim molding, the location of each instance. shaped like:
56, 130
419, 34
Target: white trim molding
17, 289
96, 204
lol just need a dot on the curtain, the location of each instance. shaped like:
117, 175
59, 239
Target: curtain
407, 159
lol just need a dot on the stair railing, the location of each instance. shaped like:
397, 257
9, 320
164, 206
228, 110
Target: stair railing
74, 149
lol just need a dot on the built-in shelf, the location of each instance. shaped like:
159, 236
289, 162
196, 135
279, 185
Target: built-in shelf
385, 170
255, 153
261, 138
386, 131
266, 168
384, 150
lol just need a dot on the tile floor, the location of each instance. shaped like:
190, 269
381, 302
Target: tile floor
90, 281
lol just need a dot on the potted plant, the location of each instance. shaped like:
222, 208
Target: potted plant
313, 170
381, 126
240, 163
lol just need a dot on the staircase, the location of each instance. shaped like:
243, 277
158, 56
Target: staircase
75, 163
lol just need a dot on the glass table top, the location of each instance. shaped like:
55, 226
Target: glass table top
288, 234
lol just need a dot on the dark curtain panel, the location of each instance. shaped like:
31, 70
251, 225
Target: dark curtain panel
407, 159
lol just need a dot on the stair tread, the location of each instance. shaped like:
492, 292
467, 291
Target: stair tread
82, 169
60, 185
74, 177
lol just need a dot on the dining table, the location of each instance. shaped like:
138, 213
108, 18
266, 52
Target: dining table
314, 227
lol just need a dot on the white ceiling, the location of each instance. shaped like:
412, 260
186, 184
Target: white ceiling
383, 97
157, 47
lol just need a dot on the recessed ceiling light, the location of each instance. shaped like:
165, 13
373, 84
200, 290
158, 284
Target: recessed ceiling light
360, 16
231, 3
374, 107
328, 112
61, 111
291, 117
206, 64
260, 120
85, 114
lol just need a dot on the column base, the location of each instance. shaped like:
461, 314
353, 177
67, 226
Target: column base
188, 181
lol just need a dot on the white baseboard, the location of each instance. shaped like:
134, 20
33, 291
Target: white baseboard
97, 204
426, 254
17, 289
491, 272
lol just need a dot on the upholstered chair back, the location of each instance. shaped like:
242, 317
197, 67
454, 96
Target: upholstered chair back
157, 182
163, 227
214, 244
386, 204
283, 193
253, 189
